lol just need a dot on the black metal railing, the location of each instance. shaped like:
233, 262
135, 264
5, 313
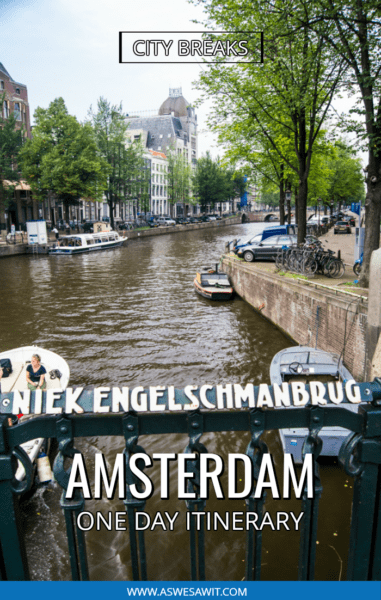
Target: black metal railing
159, 411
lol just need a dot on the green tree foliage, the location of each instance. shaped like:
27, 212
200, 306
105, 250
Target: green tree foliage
214, 183
351, 29
210, 182
179, 179
11, 140
63, 158
127, 175
285, 99
345, 181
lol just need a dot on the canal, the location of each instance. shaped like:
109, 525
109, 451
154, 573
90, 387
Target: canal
131, 317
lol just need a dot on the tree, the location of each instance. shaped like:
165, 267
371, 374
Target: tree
209, 182
288, 97
62, 157
11, 140
351, 28
127, 177
179, 179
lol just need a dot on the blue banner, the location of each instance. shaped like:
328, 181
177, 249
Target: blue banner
356, 207
122, 590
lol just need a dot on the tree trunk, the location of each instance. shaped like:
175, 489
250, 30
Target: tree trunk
301, 210
296, 207
282, 195
372, 217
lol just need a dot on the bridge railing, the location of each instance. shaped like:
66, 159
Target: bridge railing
194, 411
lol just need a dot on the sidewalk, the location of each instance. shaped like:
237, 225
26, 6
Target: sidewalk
344, 243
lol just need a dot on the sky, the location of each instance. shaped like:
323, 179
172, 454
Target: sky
69, 48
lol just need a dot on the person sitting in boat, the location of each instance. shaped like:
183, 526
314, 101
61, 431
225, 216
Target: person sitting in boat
35, 374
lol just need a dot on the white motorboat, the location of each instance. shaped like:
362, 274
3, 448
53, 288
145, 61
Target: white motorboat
305, 364
57, 377
87, 242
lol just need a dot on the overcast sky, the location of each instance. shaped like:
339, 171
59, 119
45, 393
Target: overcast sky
69, 48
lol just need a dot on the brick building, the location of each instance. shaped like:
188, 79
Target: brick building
15, 101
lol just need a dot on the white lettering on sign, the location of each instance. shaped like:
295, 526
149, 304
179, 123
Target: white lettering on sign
160, 398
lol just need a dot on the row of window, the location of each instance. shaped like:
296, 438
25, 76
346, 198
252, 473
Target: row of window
2, 87
19, 111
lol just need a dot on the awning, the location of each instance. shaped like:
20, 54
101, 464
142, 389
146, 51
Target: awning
19, 185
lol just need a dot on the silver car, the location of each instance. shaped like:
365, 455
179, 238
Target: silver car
268, 249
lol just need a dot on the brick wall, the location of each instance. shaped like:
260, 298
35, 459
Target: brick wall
292, 306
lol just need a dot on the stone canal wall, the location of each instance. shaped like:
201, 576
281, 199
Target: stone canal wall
133, 235
292, 306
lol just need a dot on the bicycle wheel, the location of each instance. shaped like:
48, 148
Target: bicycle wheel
357, 269
279, 260
310, 266
339, 269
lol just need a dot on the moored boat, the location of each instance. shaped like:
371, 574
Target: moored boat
305, 364
87, 242
57, 377
213, 285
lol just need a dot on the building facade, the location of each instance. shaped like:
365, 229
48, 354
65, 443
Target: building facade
20, 207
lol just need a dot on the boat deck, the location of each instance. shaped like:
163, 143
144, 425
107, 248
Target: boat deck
17, 379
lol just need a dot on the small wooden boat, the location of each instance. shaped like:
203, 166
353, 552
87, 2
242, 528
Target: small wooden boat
57, 377
213, 285
87, 242
305, 364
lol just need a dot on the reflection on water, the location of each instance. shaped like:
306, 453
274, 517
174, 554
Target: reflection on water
131, 317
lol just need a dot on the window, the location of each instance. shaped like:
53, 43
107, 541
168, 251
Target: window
17, 111
17, 90
1, 84
5, 110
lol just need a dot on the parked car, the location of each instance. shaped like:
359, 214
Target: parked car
351, 220
211, 218
266, 233
166, 221
342, 227
88, 226
267, 249
181, 221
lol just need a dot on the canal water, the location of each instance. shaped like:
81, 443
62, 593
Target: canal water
131, 317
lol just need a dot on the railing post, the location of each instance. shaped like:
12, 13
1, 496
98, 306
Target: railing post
196, 534
310, 506
11, 536
361, 458
72, 507
255, 451
137, 542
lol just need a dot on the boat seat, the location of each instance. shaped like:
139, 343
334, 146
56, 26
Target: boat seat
7, 383
17, 379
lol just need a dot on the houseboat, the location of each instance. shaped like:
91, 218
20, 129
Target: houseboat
87, 242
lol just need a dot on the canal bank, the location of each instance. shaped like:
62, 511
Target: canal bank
7, 250
336, 314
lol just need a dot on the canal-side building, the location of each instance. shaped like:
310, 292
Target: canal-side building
172, 129
20, 208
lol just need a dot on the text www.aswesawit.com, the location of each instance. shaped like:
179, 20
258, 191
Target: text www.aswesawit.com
187, 591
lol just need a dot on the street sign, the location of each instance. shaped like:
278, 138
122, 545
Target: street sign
356, 207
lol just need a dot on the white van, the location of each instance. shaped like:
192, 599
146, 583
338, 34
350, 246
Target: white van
166, 221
